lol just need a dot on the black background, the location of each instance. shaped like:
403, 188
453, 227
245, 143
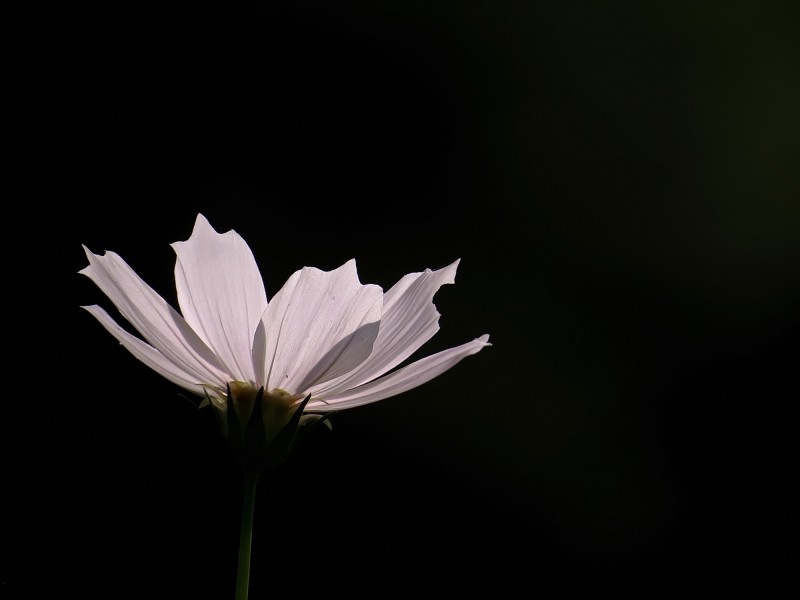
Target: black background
620, 181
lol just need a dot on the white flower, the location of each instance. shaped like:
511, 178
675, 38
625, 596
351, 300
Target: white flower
323, 343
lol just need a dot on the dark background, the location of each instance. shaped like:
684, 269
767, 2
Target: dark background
620, 181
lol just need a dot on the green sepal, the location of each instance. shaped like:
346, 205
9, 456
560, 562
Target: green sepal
249, 441
233, 429
286, 435
324, 419
254, 435
257, 454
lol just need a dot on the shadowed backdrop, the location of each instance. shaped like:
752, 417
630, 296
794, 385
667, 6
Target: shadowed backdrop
619, 184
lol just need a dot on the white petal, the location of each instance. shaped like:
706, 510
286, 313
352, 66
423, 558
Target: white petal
409, 320
260, 355
149, 355
221, 294
319, 326
149, 313
401, 380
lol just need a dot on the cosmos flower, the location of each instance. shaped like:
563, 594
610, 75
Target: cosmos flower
324, 342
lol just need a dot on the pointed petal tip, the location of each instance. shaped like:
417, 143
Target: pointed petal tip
200, 226
94, 258
202, 221
204, 230
448, 270
351, 267
451, 270
89, 256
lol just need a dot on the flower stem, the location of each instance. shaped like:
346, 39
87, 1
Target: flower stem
246, 534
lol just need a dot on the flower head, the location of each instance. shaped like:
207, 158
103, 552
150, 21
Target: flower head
324, 342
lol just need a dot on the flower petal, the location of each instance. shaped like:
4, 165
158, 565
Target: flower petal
399, 381
221, 294
149, 313
409, 320
318, 326
149, 355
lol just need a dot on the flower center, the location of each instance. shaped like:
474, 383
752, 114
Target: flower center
277, 406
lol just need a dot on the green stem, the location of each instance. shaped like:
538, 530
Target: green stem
246, 534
